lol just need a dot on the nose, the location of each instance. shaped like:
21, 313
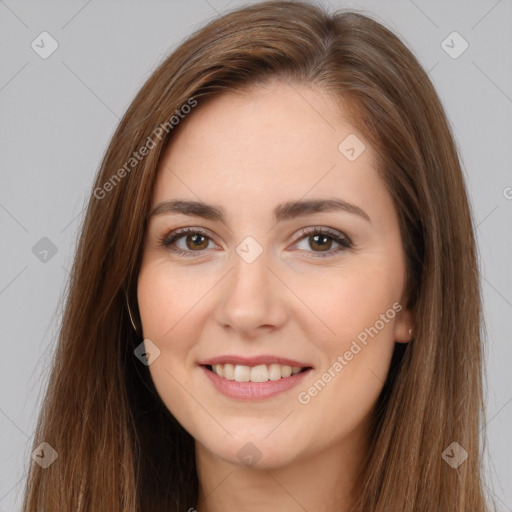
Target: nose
252, 298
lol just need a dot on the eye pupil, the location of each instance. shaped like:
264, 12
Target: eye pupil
195, 238
324, 237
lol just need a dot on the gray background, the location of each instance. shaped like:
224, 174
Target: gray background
58, 114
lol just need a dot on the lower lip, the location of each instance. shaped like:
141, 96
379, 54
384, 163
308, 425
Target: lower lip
254, 390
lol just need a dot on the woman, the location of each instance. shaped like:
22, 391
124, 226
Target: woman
274, 301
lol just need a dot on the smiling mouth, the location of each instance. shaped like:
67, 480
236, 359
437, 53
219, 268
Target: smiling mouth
258, 373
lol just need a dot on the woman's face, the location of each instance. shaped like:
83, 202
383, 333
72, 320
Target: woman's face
254, 290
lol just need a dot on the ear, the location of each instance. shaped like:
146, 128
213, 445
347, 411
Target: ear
404, 326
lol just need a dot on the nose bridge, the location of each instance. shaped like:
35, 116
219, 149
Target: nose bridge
251, 296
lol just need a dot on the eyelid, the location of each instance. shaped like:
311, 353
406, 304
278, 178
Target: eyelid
337, 236
324, 230
171, 237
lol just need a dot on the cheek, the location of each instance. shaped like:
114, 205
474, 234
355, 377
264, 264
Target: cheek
168, 309
355, 356
168, 299
358, 305
348, 302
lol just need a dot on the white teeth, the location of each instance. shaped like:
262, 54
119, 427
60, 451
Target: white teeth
242, 373
286, 371
229, 371
274, 372
259, 373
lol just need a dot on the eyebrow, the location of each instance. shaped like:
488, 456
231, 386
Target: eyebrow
282, 212
292, 209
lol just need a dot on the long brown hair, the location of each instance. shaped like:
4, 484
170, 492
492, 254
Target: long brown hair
119, 447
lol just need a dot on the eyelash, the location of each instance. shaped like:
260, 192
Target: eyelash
167, 240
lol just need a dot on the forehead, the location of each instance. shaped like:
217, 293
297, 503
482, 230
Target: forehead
270, 143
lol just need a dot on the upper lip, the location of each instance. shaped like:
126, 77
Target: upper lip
253, 361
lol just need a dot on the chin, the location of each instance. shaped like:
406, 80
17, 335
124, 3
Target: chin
254, 452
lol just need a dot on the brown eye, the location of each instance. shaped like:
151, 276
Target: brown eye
323, 242
196, 241
186, 241
319, 241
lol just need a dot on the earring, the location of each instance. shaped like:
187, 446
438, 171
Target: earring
130, 315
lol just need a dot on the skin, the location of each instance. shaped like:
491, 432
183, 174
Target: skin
248, 153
